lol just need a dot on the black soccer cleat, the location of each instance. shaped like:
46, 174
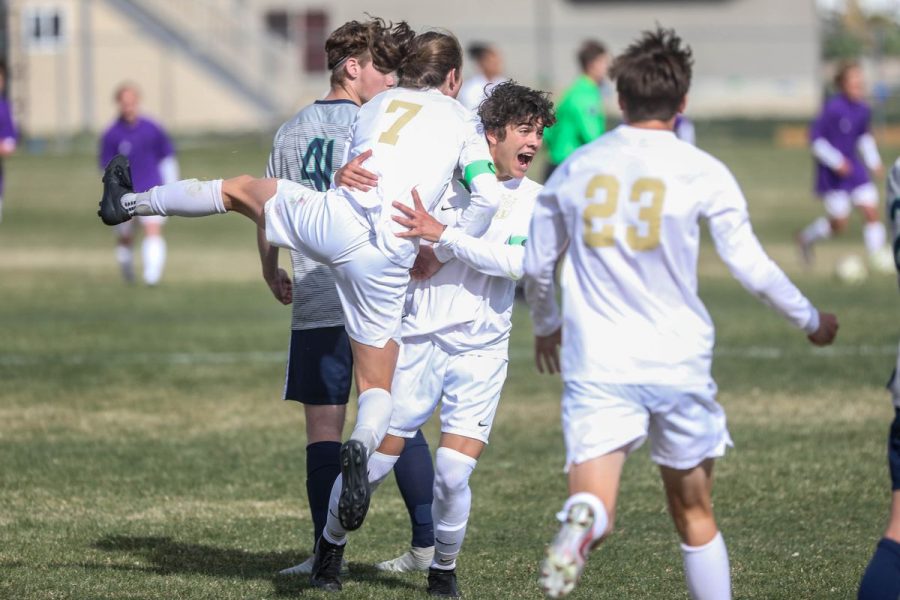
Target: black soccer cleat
116, 183
442, 584
326, 569
354, 500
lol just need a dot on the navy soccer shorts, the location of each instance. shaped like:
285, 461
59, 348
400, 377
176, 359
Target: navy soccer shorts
320, 366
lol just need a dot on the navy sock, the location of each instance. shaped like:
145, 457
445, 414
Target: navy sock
323, 465
415, 478
881, 581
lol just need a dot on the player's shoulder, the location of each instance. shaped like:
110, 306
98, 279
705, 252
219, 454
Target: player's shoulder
336, 113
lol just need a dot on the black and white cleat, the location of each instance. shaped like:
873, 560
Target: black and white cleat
353, 503
116, 183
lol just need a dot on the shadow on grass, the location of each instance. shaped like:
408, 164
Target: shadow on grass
170, 556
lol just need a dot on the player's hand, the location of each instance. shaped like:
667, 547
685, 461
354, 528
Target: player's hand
426, 265
418, 221
878, 172
845, 169
828, 328
353, 176
546, 352
280, 284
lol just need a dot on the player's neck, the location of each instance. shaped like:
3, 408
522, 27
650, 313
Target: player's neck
342, 93
654, 124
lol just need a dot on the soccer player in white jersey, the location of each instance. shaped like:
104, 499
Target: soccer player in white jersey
881, 581
364, 57
457, 325
419, 135
636, 339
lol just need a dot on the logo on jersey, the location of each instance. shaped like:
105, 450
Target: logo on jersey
316, 165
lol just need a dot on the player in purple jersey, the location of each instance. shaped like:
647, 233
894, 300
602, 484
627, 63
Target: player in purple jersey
845, 152
9, 136
153, 162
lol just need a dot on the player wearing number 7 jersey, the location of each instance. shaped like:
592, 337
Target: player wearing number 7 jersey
418, 134
637, 341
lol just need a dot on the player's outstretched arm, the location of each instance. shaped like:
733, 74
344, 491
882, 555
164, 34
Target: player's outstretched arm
737, 245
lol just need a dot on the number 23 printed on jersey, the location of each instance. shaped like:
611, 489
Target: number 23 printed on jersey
602, 217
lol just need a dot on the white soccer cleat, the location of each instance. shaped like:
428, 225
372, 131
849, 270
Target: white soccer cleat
306, 567
567, 553
882, 261
415, 559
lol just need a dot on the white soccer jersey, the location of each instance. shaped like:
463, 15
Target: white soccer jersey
418, 138
628, 205
467, 305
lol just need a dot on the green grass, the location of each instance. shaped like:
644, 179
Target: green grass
144, 451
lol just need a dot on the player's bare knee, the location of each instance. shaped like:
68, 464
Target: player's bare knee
838, 225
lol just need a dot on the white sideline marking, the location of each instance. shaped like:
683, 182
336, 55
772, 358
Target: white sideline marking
232, 358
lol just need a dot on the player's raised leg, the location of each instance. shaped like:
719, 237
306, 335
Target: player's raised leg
587, 516
689, 494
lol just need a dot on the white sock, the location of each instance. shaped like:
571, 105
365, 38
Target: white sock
451, 506
372, 418
601, 517
873, 236
186, 198
380, 466
334, 532
706, 570
820, 229
153, 250
125, 258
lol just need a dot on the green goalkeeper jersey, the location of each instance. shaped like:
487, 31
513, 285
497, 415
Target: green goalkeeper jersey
579, 119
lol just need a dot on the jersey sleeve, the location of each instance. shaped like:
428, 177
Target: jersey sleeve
547, 239
479, 174
589, 120
491, 258
8, 131
737, 245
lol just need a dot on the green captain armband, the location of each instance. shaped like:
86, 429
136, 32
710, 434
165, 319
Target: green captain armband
479, 167
517, 240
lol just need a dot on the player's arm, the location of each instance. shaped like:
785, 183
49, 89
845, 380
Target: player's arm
491, 258
480, 178
868, 149
737, 245
275, 277
547, 240
823, 151
107, 151
9, 136
588, 122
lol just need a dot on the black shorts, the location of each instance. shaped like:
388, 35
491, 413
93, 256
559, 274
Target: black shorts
894, 451
320, 366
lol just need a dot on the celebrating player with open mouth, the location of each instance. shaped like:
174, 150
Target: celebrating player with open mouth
419, 135
636, 339
457, 325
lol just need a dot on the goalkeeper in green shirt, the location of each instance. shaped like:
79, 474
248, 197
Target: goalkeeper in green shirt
580, 117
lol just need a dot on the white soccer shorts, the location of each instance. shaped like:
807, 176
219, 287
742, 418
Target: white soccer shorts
127, 228
839, 203
324, 227
467, 386
685, 424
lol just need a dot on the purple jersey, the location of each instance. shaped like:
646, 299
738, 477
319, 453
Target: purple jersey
7, 129
841, 123
144, 143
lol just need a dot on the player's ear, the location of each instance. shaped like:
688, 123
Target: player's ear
352, 67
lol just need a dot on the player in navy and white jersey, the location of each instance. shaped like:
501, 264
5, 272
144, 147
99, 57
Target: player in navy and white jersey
152, 157
881, 581
845, 153
636, 339
419, 134
363, 57
458, 321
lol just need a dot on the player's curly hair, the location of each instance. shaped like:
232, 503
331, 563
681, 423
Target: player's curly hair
383, 43
653, 76
430, 57
512, 104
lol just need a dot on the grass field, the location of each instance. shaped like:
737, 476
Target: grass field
144, 451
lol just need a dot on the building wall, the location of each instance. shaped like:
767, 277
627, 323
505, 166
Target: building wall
753, 57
